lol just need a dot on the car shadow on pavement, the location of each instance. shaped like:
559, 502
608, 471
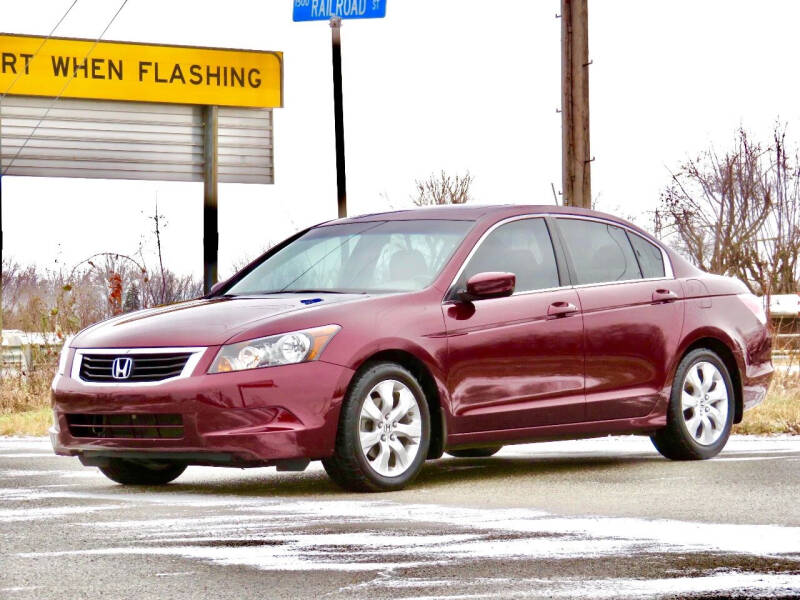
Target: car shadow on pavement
444, 472
458, 471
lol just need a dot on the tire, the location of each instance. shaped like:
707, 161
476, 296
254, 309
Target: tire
475, 452
394, 450
700, 411
129, 472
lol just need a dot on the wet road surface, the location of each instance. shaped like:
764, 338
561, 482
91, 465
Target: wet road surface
605, 518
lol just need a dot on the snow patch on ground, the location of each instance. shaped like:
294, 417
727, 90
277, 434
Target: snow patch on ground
35, 514
268, 534
383, 536
763, 585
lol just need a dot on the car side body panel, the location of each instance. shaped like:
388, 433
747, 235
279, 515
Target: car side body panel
630, 341
511, 365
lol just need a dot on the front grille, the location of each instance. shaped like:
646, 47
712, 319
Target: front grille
141, 426
146, 367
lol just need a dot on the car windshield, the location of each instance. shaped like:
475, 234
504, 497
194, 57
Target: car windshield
366, 257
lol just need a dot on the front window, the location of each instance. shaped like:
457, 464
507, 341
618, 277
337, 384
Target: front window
521, 247
374, 256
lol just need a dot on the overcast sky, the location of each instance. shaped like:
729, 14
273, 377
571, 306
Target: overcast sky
438, 84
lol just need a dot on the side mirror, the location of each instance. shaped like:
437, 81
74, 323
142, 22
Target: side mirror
489, 285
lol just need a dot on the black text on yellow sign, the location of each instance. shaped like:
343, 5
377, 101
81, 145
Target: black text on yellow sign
122, 71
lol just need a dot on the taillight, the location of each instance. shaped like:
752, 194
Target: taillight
756, 305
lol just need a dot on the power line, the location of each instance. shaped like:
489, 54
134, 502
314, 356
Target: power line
63, 89
44, 41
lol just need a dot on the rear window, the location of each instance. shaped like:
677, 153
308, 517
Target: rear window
600, 252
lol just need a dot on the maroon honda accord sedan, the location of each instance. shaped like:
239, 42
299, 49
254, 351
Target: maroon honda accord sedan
374, 343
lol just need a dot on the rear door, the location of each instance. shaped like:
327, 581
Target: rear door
632, 316
513, 362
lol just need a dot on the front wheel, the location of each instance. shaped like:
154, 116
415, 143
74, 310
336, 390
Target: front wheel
700, 412
128, 472
384, 431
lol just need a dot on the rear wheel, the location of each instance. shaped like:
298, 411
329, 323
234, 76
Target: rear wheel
129, 472
700, 413
384, 431
475, 452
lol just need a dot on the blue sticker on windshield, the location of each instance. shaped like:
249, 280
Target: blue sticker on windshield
311, 301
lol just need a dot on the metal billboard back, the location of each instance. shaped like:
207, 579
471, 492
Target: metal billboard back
130, 140
75, 68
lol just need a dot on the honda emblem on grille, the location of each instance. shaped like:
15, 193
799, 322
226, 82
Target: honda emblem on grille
121, 368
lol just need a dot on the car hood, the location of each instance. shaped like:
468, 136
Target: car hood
203, 322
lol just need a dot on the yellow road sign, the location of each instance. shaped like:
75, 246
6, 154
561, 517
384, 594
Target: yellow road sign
74, 68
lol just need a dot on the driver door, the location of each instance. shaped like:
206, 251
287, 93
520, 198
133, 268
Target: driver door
516, 362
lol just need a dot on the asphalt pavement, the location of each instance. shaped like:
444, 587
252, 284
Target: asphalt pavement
604, 518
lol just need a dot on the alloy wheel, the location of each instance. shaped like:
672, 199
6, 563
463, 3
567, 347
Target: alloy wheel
704, 403
390, 428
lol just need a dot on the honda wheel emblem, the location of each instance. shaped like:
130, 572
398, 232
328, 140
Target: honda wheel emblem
121, 368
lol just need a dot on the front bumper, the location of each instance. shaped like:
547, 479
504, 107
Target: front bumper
259, 417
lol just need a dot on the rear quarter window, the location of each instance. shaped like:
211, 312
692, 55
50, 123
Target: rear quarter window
650, 257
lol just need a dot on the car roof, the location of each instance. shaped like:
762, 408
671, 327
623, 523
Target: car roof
498, 212
473, 212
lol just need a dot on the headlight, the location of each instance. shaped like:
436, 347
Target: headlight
283, 349
62, 359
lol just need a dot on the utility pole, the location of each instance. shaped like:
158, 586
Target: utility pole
338, 113
575, 153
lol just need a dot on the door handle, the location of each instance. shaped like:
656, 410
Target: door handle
664, 295
561, 309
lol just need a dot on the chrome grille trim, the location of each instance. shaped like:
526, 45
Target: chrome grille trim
92, 359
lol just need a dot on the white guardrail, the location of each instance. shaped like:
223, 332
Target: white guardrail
787, 343
784, 305
18, 348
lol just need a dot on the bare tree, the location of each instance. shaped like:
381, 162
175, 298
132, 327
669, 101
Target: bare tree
443, 189
101, 285
159, 294
737, 214
773, 262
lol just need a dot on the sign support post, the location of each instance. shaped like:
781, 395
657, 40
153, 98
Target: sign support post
210, 216
334, 12
338, 110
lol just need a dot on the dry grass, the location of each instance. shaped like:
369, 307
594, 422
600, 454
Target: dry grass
25, 401
21, 394
25, 406
29, 422
779, 413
